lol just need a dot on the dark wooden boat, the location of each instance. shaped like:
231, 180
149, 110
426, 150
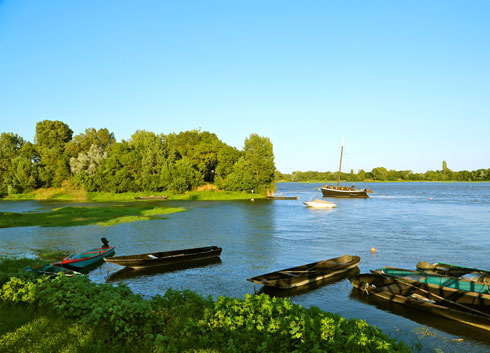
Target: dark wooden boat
343, 191
291, 292
151, 197
460, 290
282, 197
165, 258
302, 275
453, 270
407, 294
87, 259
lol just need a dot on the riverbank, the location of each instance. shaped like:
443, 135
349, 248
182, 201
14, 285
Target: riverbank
81, 196
74, 314
83, 216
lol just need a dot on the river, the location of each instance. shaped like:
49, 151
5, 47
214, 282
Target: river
405, 223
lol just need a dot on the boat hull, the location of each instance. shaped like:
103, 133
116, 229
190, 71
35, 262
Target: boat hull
86, 259
399, 292
461, 291
344, 192
319, 204
167, 258
305, 274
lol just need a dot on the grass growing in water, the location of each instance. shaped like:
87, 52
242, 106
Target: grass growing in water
82, 216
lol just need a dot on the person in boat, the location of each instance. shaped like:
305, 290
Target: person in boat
105, 242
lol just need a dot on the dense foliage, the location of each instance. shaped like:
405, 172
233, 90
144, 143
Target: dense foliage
147, 162
382, 174
114, 318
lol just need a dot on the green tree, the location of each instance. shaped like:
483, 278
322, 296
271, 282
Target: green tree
379, 173
50, 140
10, 146
180, 176
151, 154
255, 170
84, 141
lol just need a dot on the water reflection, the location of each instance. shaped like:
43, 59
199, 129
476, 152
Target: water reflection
128, 273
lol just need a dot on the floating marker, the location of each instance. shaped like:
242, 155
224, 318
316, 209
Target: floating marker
430, 198
373, 250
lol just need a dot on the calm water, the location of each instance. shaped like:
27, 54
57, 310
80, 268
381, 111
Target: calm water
405, 222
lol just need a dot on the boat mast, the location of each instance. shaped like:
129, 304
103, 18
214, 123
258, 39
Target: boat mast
340, 166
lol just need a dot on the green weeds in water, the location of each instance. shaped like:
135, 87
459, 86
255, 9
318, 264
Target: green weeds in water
81, 216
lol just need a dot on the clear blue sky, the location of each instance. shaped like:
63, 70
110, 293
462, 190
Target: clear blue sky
406, 82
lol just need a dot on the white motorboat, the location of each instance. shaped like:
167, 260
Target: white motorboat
319, 204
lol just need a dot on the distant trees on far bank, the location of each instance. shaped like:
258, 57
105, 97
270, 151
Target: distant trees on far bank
95, 161
382, 174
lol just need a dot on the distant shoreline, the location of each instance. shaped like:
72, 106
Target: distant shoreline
382, 181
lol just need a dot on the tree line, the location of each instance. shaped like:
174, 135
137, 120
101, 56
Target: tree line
382, 174
95, 161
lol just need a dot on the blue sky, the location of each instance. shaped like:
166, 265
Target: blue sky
407, 83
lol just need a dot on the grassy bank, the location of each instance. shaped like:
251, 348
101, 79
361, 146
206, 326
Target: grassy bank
76, 315
63, 195
82, 216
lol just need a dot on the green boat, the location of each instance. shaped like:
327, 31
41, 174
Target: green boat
442, 268
389, 288
459, 290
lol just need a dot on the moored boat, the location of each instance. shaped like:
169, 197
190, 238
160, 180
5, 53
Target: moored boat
452, 270
343, 191
165, 258
87, 259
301, 275
320, 204
407, 294
464, 291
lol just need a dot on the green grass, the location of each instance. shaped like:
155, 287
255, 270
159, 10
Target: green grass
131, 196
30, 331
216, 195
82, 216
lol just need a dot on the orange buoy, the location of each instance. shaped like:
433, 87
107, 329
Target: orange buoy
373, 250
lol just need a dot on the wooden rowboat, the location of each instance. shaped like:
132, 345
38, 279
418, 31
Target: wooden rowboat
407, 294
301, 275
451, 270
165, 258
463, 291
87, 259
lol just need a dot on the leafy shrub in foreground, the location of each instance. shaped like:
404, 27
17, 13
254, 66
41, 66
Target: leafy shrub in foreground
185, 321
264, 324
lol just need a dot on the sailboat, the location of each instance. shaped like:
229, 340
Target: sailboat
343, 191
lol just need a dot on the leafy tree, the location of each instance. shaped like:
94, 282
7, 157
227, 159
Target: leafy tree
84, 141
180, 176
201, 148
51, 138
10, 146
150, 151
255, 170
379, 173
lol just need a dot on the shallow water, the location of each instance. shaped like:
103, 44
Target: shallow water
404, 222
